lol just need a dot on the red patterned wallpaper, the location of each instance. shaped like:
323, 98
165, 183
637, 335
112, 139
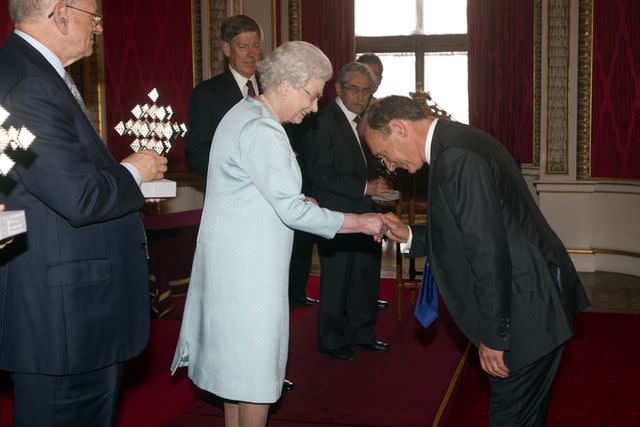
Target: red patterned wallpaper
615, 116
147, 44
501, 72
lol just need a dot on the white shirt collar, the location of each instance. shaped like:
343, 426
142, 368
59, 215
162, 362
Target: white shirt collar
427, 145
242, 82
350, 114
45, 51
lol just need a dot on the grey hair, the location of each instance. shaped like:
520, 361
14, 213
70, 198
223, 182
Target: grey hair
296, 62
23, 11
354, 67
382, 111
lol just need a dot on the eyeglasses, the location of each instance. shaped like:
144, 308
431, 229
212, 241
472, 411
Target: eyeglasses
317, 97
95, 18
357, 90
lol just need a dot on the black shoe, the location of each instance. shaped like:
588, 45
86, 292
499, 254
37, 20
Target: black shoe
342, 353
383, 304
374, 346
305, 302
288, 386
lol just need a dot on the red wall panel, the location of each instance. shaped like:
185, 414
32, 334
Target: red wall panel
147, 44
615, 117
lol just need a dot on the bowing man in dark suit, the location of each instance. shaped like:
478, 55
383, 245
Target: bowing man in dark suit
213, 98
350, 264
503, 273
74, 290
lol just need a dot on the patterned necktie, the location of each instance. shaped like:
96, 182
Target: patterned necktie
251, 91
74, 91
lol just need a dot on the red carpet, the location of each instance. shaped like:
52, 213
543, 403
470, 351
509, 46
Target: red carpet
597, 384
401, 387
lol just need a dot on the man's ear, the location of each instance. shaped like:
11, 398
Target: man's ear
398, 127
60, 18
226, 49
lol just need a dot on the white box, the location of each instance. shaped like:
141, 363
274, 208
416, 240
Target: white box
12, 223
158, 189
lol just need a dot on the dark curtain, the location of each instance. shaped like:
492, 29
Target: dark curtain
147, 45
615, 102
6, 26
501, 72
329, 24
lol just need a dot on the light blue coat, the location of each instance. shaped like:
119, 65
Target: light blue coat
235, 330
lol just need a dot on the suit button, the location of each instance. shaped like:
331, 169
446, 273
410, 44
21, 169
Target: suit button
143, 246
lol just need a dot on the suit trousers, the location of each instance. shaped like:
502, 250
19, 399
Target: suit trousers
522, 398
300, 266
349, 284
87, 399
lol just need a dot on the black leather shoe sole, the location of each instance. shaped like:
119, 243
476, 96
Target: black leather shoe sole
288, 386
374, 346
305, 302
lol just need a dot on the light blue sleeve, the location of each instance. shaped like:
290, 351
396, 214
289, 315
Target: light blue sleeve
267, 158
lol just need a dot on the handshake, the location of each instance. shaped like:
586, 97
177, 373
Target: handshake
376, 225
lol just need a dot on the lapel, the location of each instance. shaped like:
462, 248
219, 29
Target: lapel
347, 138
436, 147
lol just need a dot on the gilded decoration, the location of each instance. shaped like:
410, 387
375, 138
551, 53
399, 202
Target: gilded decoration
537, 79
196, 40
217, 15
585, 31
558, 88
295, 20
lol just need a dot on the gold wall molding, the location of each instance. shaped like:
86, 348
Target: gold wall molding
537, 80
217, 15
196, 40
558, 87
585, 53
295, 20
604, 251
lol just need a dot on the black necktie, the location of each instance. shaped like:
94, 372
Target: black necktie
251, 91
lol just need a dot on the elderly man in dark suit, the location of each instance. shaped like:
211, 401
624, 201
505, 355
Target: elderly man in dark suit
504, 275
350, 265
74, 289
213, 98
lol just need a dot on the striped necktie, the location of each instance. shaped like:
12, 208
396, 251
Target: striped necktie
251, 91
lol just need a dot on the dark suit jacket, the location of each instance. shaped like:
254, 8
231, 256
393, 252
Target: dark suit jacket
334, 163
491, 249
210, 101
74, 293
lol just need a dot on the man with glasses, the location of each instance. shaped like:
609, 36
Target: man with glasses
350, 264
74, 290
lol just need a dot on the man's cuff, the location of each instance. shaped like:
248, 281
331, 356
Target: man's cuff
133, 171
406, 247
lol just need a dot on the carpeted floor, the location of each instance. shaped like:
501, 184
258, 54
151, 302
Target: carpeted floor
596, 385
406, 386
402, 387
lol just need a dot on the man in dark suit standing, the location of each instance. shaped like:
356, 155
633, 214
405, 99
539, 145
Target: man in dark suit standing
350, 264
503, 273
213, 98
74, 289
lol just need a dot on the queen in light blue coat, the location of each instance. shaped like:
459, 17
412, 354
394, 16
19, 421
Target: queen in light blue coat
235, 332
